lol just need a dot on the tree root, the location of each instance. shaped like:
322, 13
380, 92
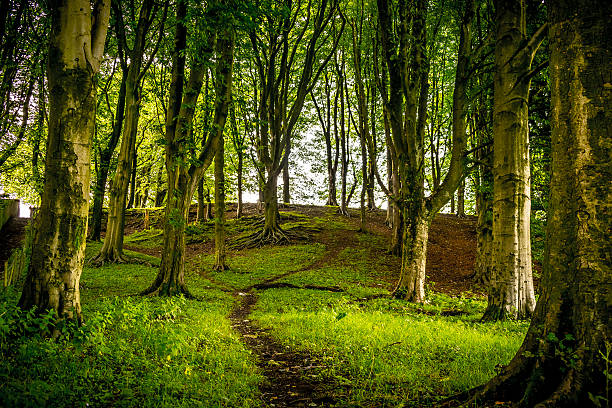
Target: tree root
166, 289
106, 259
267, 237
277, 285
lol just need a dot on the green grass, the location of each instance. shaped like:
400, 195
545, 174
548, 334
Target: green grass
254, 266
388, 357
131, 352
151, 352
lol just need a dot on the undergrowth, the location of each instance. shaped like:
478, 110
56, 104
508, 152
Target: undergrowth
153, 352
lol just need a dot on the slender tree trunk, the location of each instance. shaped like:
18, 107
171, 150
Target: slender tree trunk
512, 293
564, 359
239, 208
105, 160
286, 192
461, 199
484, 229
201, 215
133, 180
209, 211
58, 250
112, 249
220, 254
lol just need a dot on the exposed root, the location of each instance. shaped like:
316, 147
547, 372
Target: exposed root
220, 267
166, 289
277, 285
268, 237
107, 259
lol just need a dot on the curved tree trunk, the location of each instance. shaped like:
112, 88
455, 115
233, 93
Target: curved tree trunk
58, 250
561, 361
183, 177
112, 249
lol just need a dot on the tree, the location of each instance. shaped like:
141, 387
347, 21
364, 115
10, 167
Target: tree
75, 48
183, 169
220, 253
278, 49
135, 65
406, 102
560, 363
511, 287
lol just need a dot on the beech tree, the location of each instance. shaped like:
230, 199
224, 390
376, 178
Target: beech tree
406, 100
281, 100
184, 165
135, 65
75, 48
511, 286
560, 363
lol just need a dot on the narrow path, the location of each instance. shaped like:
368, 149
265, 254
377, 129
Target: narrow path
11, 237
292, 376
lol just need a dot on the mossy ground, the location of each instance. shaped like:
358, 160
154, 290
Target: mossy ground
370, 349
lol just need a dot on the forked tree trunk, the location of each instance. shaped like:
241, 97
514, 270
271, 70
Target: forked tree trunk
183, 178
58, 250
562, 361
112, 249
511, 290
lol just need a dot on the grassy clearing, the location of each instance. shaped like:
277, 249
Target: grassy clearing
385, 353
131, 352
134, 351
254, 266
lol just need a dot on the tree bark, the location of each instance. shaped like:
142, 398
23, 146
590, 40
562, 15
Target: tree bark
220, 253
511, 290
182, 176
112, 249
75, 48
405, 101
105, 159
461, 199
561, 361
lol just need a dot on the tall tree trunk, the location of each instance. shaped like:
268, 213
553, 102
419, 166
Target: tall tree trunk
200, 214
58, 250
220, 254
564, 359
484, 228
112, 249
406, 101
105, 160
239, 206
461, 199
511, 293
133, 180
183, 177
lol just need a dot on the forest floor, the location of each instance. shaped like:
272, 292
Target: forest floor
310, 324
